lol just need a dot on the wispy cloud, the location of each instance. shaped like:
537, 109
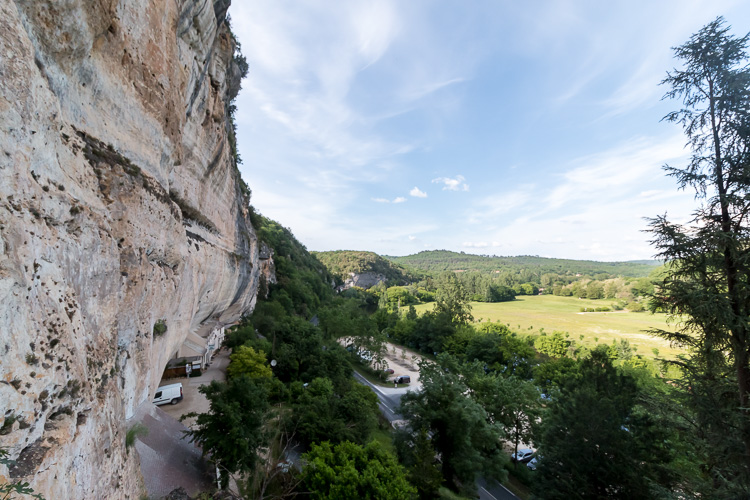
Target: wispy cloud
418, 193
620, 170
455, 184
430, 88
501, 204
596, 208
400, 199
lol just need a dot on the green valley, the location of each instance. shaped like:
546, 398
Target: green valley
547, 313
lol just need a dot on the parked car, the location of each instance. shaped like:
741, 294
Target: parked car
524, 455
533, 463
402, 379
171, 394
365, 356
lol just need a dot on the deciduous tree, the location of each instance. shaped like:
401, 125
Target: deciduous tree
231, 431
451, 298
247, 361
461, 432
347, 471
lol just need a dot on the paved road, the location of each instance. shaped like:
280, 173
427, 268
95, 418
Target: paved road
389, 397
492, 490
389, 401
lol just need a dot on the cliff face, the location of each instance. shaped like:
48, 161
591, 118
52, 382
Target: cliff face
119, 206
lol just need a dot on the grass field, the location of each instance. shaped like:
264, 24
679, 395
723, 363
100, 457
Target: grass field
531, 313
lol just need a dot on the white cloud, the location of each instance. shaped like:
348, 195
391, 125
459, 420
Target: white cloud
617, 171
480, 244
456, 184
400, 199
501, 204
412, 238
595, 209
417, 193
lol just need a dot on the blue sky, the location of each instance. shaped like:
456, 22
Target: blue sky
490, 127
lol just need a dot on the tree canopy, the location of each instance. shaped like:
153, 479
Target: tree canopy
347, 470
467, 441
232, 429
246, 361
593, 442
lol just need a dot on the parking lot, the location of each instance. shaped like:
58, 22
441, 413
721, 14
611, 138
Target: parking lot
194, 401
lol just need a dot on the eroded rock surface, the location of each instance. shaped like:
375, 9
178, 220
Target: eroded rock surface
120, 205
365, 280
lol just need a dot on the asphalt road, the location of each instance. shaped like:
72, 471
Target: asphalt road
492, 490
390, 400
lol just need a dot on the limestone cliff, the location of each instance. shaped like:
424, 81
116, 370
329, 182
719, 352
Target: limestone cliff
120, 205
363, 280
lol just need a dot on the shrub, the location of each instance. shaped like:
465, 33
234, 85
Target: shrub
8, 424
635, 307
160, 327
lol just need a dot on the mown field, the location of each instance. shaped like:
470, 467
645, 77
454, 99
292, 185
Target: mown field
531, 313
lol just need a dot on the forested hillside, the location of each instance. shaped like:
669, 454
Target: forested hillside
435, 261
342, 262
302, 279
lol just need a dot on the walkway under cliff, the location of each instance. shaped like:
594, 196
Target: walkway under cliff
168, 459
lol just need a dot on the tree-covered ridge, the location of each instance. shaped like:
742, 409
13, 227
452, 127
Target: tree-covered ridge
303, 281
342, 262
433, 261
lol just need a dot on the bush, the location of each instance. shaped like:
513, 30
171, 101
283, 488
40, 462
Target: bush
160, 327
635, 307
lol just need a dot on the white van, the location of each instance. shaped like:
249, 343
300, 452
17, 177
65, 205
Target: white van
168, 394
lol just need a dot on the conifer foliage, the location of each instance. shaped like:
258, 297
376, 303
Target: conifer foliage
707, 286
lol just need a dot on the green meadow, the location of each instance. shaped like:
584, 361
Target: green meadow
530, 314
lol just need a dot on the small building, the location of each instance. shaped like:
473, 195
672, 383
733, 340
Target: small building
201, 349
